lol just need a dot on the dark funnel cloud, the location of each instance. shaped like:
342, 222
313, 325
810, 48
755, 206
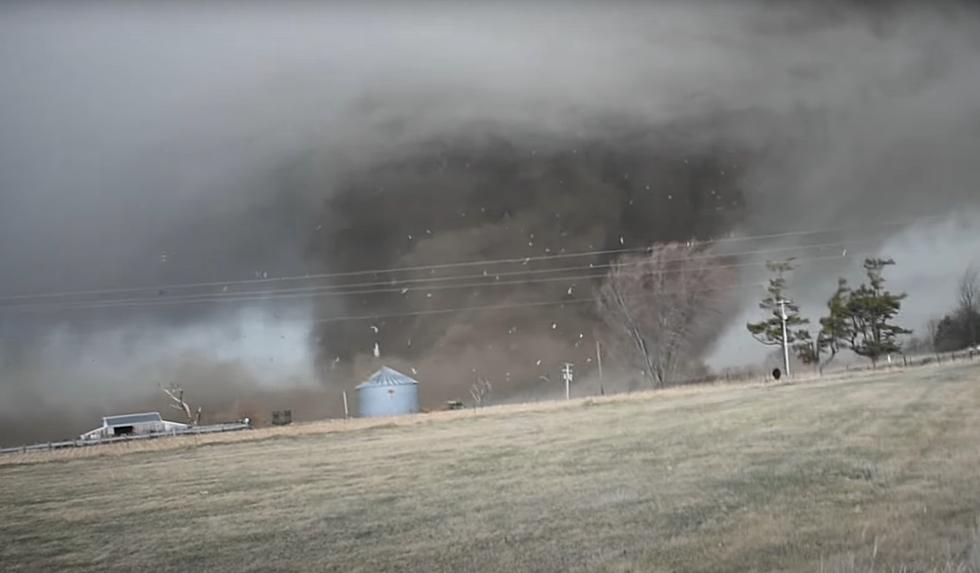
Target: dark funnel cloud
463, 199
147, 144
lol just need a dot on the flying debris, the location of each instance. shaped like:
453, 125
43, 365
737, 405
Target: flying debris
409, 151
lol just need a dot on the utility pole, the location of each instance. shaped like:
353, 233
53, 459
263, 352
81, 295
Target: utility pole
784, 317
598, 361
816, 353
567, 375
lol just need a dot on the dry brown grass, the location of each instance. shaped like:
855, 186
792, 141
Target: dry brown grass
965, 561
750, 478
355, 424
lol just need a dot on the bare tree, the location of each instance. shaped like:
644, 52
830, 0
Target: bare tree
970, 288
659, 306
932, 327
479, 391
970, 301
176, 395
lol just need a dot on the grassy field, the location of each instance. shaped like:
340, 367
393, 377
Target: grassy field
873, 472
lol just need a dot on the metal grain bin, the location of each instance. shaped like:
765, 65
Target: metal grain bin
388, 393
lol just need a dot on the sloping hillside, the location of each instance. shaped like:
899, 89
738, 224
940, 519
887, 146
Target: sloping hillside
880, 468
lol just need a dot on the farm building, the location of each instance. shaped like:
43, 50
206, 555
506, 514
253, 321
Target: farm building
132, 424
388, 393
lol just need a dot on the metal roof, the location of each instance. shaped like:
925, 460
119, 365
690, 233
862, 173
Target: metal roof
130, 419
388, 377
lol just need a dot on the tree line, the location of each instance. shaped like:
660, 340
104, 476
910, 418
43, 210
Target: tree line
959, 328
661, 309
861, 319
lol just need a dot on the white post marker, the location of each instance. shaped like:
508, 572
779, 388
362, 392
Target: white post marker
567, 375
346, 411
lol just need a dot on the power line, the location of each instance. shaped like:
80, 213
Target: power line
504, 306
306, 293
403, 283
442, 266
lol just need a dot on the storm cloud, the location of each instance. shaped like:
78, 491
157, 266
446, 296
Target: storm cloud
144, 145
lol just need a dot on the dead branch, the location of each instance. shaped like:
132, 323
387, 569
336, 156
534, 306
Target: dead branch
479, 391
176, 394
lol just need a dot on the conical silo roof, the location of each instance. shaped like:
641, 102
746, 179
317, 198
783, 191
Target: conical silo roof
388, 377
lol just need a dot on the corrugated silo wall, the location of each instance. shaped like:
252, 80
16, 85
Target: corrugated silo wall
388, 400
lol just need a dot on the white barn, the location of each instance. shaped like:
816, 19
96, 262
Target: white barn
132, 424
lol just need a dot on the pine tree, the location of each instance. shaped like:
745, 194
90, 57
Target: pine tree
770, 330
870, 310
836, 326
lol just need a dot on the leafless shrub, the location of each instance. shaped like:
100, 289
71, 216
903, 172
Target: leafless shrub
480, 390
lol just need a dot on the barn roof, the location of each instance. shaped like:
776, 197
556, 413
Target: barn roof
388, 377
130, 419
